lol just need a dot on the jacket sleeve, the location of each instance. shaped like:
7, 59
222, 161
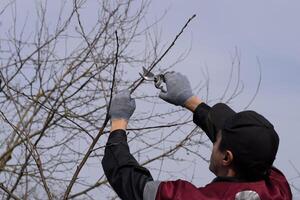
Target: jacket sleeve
201, 119
123, 172
212, 119
179, 190
278, 178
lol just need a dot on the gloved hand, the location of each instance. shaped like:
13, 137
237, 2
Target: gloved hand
178, 89
122, 106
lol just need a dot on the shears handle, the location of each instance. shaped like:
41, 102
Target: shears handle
158, 80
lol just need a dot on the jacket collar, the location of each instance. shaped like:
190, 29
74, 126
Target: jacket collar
228, 179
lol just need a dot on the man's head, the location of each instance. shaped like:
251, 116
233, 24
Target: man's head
221, 160
245, 144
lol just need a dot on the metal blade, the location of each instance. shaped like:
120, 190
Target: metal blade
147, 73
149, 76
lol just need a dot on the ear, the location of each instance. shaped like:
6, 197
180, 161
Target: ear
228, 158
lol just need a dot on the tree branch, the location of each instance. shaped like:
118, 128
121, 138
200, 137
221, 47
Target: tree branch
8, 192
90, 150
136, 84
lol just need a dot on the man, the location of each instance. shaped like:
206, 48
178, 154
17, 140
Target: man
244, 148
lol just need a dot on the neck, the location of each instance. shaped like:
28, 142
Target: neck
229, 172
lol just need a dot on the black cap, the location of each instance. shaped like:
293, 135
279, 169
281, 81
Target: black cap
250, 137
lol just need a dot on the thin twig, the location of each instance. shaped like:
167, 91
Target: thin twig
22, 62
97, 184
157, 127
8, 192
140, 80
135, 86
171, 150
33, 151
258, 85
51, 110
90, 150
147, 128
48, 120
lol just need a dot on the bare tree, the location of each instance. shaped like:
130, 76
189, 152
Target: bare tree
59, 70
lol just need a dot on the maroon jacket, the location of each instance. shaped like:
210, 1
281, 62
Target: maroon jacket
276, 189
132, 181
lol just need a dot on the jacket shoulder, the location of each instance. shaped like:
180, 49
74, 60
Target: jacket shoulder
277, 187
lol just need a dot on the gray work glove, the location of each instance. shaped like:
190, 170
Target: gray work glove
178, 89
122, 106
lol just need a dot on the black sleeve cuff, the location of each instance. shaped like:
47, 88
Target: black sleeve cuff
117, 136
200, 114
117, 151
201, 118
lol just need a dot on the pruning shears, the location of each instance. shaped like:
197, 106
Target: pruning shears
158, 79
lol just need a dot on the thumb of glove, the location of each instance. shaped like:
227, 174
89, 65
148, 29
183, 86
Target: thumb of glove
164, 96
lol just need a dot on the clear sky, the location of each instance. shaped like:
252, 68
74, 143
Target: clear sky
263, 29
267, 30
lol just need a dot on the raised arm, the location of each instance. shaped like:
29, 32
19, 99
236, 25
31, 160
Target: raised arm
123, 172
179, 93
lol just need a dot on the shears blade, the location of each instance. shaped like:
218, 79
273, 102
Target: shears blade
158, 79
149, 76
